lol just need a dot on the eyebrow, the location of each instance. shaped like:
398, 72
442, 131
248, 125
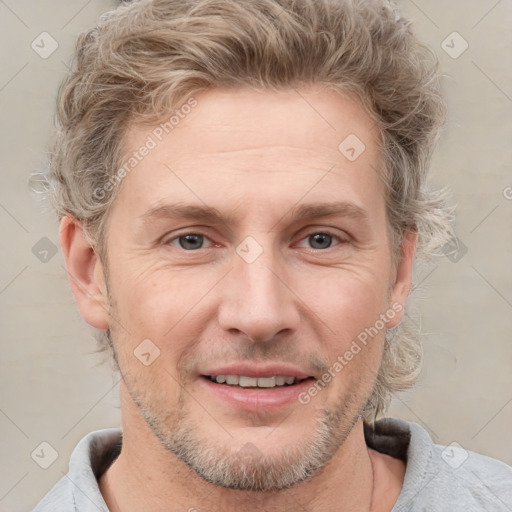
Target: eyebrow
184, 211
317, 210
213, 215
181, 211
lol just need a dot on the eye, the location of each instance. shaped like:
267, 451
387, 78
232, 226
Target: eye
188, 241
321, 240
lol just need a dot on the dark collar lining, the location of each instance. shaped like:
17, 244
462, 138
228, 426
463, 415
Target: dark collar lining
388, 436
102, 456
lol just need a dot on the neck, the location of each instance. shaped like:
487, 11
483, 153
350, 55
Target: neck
146, 476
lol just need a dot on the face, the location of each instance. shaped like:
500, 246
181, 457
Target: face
247, 247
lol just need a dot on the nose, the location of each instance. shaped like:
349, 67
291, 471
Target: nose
257, 300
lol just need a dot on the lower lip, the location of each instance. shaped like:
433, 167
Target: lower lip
257, 400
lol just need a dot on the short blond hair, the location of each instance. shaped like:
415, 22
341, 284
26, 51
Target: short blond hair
144, 59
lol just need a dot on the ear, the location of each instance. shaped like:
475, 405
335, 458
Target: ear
85, 273
402, 278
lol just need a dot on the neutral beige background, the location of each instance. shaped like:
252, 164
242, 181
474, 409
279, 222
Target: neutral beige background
52, 389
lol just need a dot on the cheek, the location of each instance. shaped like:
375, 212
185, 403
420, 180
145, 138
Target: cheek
164, 306
156, 299
350, 332
346, 301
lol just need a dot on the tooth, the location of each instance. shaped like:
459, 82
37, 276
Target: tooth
231, 379
262, 382
266, 382
247, 382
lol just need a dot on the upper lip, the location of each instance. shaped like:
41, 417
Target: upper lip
251, 370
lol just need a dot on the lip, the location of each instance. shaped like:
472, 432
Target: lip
262, 400
250, 370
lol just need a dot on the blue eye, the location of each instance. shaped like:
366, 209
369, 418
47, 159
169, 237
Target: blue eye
321, 240
189, 242
193, 241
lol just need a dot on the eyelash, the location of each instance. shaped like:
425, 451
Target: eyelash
197, 233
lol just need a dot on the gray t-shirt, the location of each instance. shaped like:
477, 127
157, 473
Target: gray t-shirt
437, 478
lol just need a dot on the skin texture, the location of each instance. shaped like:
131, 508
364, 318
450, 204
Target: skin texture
255, 157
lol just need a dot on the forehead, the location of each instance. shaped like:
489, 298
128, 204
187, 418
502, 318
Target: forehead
325, 118
266, 145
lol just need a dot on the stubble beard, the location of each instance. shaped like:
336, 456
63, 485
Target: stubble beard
247, 468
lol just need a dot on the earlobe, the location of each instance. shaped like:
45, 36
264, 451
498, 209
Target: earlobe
403, 278
85, 273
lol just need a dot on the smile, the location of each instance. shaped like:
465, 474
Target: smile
254, 382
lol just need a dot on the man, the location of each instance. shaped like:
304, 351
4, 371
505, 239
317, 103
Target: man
242, 194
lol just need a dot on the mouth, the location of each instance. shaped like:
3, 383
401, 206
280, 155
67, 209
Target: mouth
243, 381
261, 395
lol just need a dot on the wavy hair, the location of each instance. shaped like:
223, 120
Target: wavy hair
146, 58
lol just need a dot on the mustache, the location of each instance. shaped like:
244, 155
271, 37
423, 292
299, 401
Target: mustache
254, 352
